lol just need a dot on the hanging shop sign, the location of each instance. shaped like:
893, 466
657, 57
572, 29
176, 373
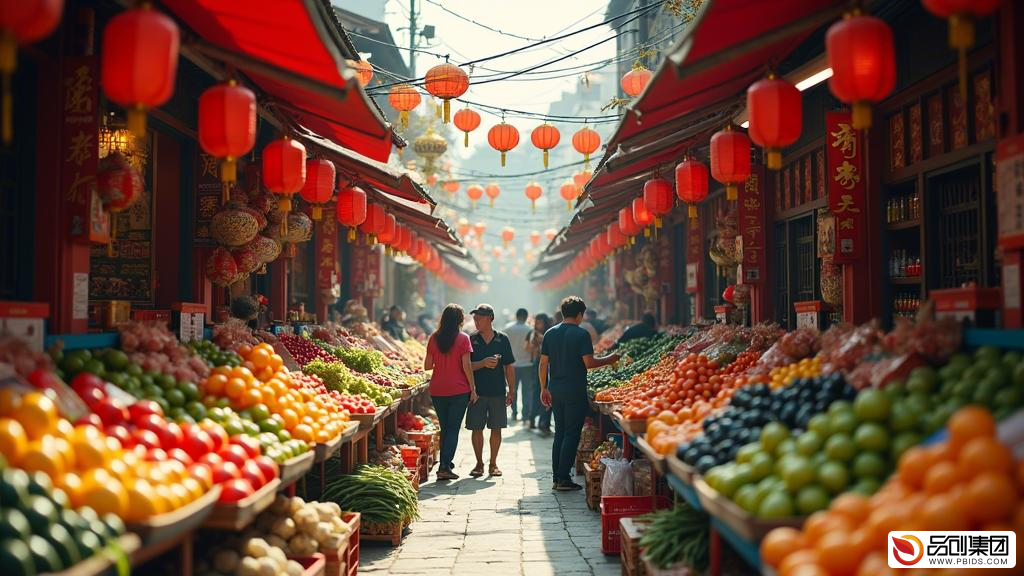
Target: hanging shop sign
327, 255
694, 254
207, 198
125, 272
751, 213
845, 185
1010, 191
360, 267
87, 221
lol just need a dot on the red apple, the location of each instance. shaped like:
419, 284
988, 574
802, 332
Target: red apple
234, 453
120, 432
235, 490
197, 442
111, 411
268, 466
213, 460
226, 471
143, 408
90, 419
217, 434
44, 379
156, 455
146, 438
250, 444
179, 455
254, 474
202, 472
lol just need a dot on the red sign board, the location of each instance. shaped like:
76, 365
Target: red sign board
846, 198
357, 275
694, 254
751, 215
87, 221
327, 253
207, 199
1010, 190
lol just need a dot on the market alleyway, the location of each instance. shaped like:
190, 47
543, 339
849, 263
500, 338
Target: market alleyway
513, 524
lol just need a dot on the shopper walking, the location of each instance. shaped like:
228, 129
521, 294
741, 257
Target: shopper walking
492, 360
517, 333
452, 387
566, 354
539, 415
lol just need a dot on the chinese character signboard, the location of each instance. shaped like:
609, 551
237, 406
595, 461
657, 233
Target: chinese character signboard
208, 193
751, 214
845, 185
126, 273
694, 254
1010, 191
360, 268
87, 221
327, 254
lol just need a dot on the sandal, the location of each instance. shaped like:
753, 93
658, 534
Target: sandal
478, 471
494, 471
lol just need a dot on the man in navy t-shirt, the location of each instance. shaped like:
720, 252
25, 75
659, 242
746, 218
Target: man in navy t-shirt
566, 354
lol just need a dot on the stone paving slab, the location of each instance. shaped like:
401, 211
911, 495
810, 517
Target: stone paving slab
508, 525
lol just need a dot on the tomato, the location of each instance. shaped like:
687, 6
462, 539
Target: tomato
197, 443
236, 489
248, 443
143, 408
268, 466
111, 411
147, 438
234, 453
225, 472
252, 472
179, 455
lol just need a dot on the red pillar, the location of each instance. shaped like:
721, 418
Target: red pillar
1010, 20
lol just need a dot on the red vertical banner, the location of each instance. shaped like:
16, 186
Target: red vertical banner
326, 246
694, 254
357, 275
752, 228
846, 185
87, 222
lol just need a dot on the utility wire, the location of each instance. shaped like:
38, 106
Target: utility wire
480, 24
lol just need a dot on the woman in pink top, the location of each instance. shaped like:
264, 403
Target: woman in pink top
452, 388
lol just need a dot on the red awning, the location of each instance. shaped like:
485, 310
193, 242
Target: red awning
281, 41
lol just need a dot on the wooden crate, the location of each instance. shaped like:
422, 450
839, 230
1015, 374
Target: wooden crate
391, 533
632, 565
592, 486
346, 561
582, 457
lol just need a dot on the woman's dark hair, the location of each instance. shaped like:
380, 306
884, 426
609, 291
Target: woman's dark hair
448, 327
545, 321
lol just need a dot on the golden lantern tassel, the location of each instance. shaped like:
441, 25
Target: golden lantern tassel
388, 251
586, 158
285, 206
228, 170
466, 139
502, 158
136, 120
657, 222
533, 206
113, 234
371, 239
732, 193
961, 37
545, 158
647, 232
861, 115
403, 119
692, 211
351, 235
568, 205
492, 199
317, 211
447, 111
774, 159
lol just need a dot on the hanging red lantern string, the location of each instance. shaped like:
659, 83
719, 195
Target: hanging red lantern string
319, 186
627, 224
642, 216
586, 141
466, 120
475, 192
616, 239
493, 191
463, 227
21, 22
545, 137
503, 137
389, 233
730, 160
363, 69
533, 192
284, 173
451, 187
374, 223
658, 199
404, 98
446, 81
569, 192
692, 184
119, 186
535, 238
634, 81
581, 178
401, 243
961, 15
775, 108
351, 209
227, 127
861, 55
480, 228
507, 235
139, 62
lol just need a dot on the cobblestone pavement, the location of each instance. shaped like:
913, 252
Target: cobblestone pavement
513, 524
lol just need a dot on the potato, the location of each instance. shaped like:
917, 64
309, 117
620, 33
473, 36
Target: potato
225, 561
249, 566
281, 505
284, 527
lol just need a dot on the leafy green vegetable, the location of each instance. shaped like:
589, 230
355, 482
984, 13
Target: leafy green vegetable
380, 494
674, 535
337, 376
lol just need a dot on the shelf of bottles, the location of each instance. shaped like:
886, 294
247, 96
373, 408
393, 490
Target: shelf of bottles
905, 266
906, 303
903, 210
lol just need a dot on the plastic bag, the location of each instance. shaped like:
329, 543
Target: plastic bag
618, 477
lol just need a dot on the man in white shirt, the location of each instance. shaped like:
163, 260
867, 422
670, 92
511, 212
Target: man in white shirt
526, 378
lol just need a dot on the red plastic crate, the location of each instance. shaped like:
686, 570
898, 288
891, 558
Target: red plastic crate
614, 508
352, 556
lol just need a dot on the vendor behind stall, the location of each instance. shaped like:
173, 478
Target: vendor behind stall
647, 327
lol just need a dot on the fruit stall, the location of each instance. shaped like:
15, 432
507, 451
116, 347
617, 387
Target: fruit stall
213, 456
789, 451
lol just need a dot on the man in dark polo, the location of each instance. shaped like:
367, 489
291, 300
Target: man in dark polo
495, 385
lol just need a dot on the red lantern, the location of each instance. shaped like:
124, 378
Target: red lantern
961, 15
730, 293
570, 192
431, 179
466, 120
493, 191
221, 268
586, 141
642, 216
387, 235
284, 173
503, 137
634, 81
319, 186
627, 224
227, 125
550, 234
22, 22
364, 71
475, 192
403, 98
581, 178
507, 235
545, 137
730, 160
535, 238
533, 192
119, 186
658, 198
374, 223
451, 186
401, 243
776, 116
616, 239
692, 184
351, 209
480, 228
463, 227
139, 62
446, 81
861, 55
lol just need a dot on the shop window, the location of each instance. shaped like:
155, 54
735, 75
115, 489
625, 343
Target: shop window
959, 242
781, 276
803, 238
797, 267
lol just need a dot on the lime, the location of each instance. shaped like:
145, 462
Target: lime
165, 381
798, 473
833, 476
903, 442
746, 451
871, 436
776, 504
115, 360
729, 483
234, 427
840, 447
869, 465
152, 391
133, 370
808, 443
760, 465
285, 436
812, 498
259, 412
190, 390
839, 406
772, 435
819, 423
866, 486
250, 427
842, 422
175, 397
196, 410
176, 413
747, 498
901, 418
1007, 398
871, 405
95, 367
923, 379
164, 404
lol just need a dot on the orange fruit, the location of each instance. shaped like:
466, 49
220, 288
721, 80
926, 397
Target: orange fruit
250, 397
143, 502
276, 362
822, 522
303, 432
244, 350
291, 419
970, 422
260, 358
780, 543
322, 437
913, 466
243, 373
13, 440
852, 506
71, 484
42, 456
108, 497
234, 388
215, 384
194, 487
876, 563
809, 569
181, 493
799, 558
64, 428
982, 454
10, 400
990, 496
37, 415
837, 556
941, 477
171, 500
942, 512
